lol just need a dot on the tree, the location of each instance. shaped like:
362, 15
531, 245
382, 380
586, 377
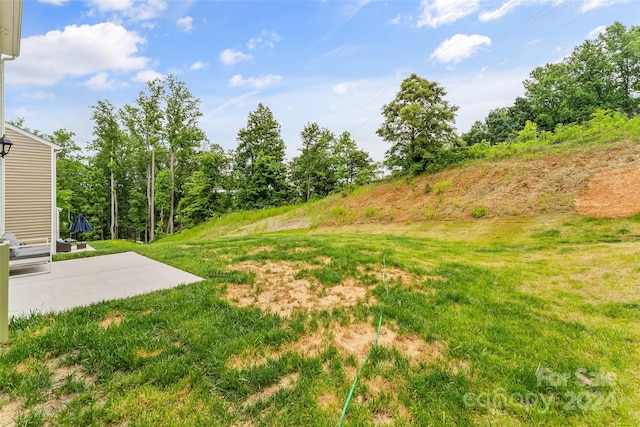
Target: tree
418, 123
206, 190
108, 145
183, 135
258, 165
145, 123
70, 173
313, 172
352, 165
601, 73
621, 47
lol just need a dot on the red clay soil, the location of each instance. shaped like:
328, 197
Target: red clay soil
612, 194
602, 181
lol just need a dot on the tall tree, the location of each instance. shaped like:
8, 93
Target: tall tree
313, 172
418, 123
602, 73
621, 48
352, 165
108, 144
258, 165
145, 123
183, 134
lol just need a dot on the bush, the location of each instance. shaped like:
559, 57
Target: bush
427, 188
439, 187
479, 212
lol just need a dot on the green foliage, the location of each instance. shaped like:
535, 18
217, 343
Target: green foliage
479, 212
441, 186
427, 188
258, 165
314, 172
418, 123
601, 73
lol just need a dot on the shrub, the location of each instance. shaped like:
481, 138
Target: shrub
439, 187
427, 188
479, 211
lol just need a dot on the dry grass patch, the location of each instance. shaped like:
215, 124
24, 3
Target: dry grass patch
354, 339
61, 372
113, 318
277, 290
53, 399
323, 260
357, 339
267, 393
328, 402
259, 249
147, 354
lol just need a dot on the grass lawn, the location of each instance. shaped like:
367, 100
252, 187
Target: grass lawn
534, 321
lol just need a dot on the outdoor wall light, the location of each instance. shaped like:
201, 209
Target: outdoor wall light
5, 146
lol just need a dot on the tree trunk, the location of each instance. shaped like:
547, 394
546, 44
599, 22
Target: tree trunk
113, 205
171, 208
152, 196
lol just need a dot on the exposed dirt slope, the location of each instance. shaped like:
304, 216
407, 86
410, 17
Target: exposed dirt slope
603, 181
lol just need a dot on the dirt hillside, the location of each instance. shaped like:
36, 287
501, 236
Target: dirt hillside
603, 181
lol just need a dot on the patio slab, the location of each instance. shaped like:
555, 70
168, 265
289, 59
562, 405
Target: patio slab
85, 281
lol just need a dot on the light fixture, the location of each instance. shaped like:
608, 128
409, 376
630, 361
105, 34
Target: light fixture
5, 146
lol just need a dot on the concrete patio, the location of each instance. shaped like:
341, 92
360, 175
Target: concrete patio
84, 281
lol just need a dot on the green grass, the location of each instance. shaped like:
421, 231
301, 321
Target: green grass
539, 308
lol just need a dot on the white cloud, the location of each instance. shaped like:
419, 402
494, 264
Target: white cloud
230, 56
134, 10
501, 11
596, 4
459, 47
266, 37
397, 20
76, 51
198, 65
100, 82
185, 24
437, 12
352, 8
254, 82
342, 88
147, 76
41, 95
53, 2
596, 32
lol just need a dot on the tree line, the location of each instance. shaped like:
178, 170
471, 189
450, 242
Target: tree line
150, 166
151, 169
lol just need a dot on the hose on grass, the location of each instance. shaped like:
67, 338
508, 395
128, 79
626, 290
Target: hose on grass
373, 345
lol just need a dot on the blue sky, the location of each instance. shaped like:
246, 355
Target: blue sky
334, 62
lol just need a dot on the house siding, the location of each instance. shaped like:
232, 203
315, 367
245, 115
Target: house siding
29, 188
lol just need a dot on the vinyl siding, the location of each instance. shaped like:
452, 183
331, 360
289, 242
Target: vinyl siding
28, 188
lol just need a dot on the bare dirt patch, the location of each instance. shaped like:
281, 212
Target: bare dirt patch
9, 409
267, 393
612, 194
54, 401
323, 260
354, 339
276, 289
358, 338
512, 187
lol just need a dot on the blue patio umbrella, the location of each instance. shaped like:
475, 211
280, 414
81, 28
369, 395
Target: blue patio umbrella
80, 225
